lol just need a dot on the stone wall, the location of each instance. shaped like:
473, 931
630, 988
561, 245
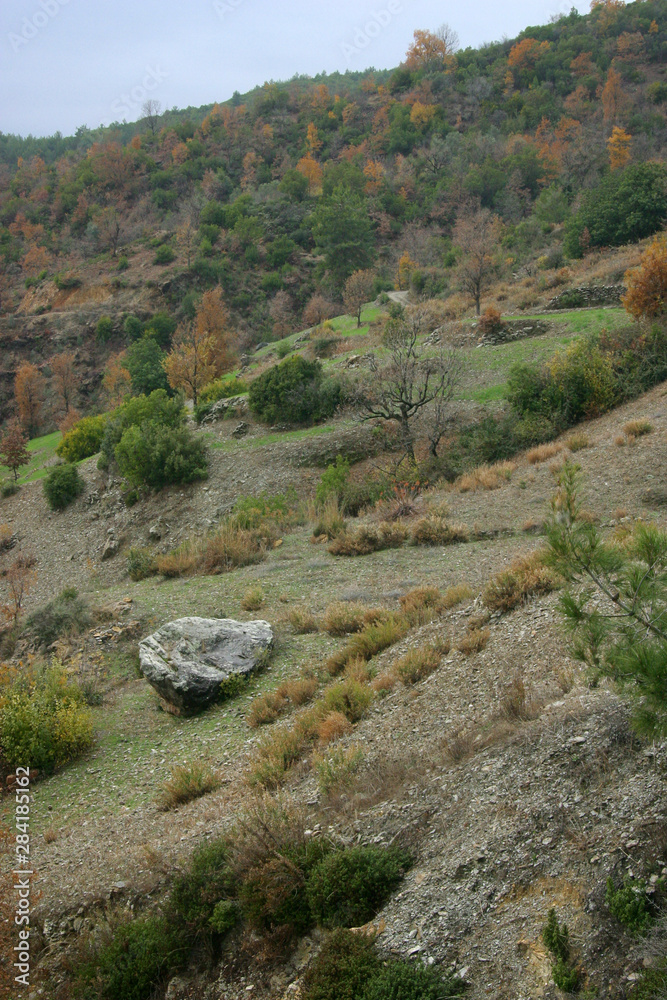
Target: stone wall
588, 295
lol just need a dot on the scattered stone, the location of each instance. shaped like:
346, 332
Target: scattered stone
187, 661
111, 548
241, 429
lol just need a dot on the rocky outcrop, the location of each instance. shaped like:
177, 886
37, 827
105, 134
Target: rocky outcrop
235, 406
511, 330
189, 661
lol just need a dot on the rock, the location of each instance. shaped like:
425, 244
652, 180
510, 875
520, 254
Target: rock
111, 548
188, 660
234, 406
241, 430
154, 534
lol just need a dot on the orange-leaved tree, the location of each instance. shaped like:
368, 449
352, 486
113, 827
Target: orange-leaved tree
14, 448
432, 47
29, 395
189, 365
117, 382
213, 319
619, 145
646, 297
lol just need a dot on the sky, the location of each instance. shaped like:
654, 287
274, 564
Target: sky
66, 63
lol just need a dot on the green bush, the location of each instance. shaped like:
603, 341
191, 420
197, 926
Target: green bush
164, 255
44, 721
294, 392
557, 940
62, 485
625, 207
652, 984
83, 440
104, 329
140, 957
154, 456
198, 891
144, 361
123, 264
141, 564
630, 904
66, 614
400, 980
348, 887
223, 388
343, 970
133, 328
274, 891
353, 497
156, 408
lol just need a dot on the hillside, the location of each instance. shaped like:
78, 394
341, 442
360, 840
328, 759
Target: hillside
379, 359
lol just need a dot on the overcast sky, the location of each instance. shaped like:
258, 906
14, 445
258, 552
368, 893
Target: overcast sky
65, 63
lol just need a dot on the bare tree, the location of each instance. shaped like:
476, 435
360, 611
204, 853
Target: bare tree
151, 110
410, 382
476, 235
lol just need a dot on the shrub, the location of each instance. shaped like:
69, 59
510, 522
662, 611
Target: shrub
527, 576
350, 698
491, 321
62, 485
208, 880
83, 440
577, 441
266, 709
331, 727
652, 983
156, 408
66, 614
456, 595
348, 887
557, 941
630, 904
422, 604
401, 980
302, 620
365, 540
141, 563
104, 329
486, 477
154, 456
420, 663
637, 428
187, 782
343, 969
329, 521
223, 388
343, 618
376, 637
229, 547
164, 255
43, 720
336, 770
140, 957
294, 392
627, 206
437, 531
123, 263
253, 598
542, 453
475, 641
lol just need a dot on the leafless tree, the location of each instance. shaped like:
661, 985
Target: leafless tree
414, 382
476, 236
151, 110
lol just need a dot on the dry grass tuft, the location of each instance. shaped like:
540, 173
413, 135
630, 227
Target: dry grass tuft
422, 604
436, 531
328, 520
344, 618
515, 706
578, 441
543, 452
383, 683
454, 596
458, 746
336, 770
486, 477
527, 576
187, 782
350, 697
253, 599
266, 709
418, 664
637, 428
474, 642
302, 620
565, 679
332, 727
298, 692
50, 835
620, 441
368, 539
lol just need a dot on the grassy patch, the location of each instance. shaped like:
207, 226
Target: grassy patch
187, 782
43, 451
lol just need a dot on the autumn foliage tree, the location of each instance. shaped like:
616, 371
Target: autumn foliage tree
117, 381
646, 297
357, 292
29, 395
432, 48
212, 319
189, 365
14, 448
64, 380
619, 145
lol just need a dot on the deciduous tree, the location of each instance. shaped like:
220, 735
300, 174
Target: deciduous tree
190, 365
212, 320
14, 448
116, 383
29, 395
64, 380
151, 110
646, 297
476, 236
432, 47
357, 292
619, 145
